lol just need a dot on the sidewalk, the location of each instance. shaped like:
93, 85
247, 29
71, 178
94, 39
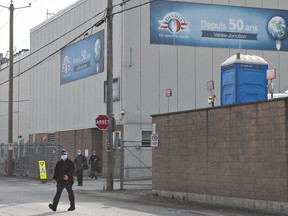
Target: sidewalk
141, 192
100, 184
24, 192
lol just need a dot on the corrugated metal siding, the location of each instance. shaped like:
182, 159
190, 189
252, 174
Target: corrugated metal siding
55, 107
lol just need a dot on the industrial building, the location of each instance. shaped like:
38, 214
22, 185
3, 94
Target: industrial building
164, 53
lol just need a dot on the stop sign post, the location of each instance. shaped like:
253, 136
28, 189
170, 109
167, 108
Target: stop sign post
102, 122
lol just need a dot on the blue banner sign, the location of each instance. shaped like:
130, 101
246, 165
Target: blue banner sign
83, 59
209, 25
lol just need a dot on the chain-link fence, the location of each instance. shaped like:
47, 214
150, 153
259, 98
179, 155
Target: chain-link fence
136, 160
26, 158
136, 163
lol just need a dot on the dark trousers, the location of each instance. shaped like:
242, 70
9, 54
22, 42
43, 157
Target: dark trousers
79, 174
93, 173
57, 196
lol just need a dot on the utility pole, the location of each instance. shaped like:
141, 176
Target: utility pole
10, 96
10, 106
109, 108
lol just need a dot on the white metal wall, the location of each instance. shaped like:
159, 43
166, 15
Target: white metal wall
21, 99
74, 105
184, 69
145, 72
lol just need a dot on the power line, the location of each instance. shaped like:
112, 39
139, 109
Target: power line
1, 11
49, 56
61, 36
5, 6
15, 15
55, 52
137, 6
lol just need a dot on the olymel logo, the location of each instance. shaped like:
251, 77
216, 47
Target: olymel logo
66, 65
174, 22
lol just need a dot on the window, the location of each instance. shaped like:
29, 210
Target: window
51, 137
146, 138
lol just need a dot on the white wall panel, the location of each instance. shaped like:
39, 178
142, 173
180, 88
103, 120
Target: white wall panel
221, 2
270, 4
282, 71
71, 106
131, 78
168, 77
184, 69
186, 80
238, 2
203, 74
254, 3
149, 70
283, 4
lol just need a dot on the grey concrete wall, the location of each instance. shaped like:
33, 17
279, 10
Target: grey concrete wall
237, 152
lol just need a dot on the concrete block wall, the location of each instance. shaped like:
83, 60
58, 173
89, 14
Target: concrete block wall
237, 151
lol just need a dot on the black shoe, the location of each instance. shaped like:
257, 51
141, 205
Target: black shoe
96, 177
72, 208
52, 207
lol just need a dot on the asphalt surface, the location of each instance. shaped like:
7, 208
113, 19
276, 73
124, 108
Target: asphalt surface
30, 197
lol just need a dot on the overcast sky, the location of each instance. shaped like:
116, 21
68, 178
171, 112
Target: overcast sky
25, 19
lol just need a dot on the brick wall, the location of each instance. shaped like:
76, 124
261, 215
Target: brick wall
91, 139
236, 151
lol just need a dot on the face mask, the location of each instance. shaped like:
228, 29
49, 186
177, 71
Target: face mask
79, 153
64, 157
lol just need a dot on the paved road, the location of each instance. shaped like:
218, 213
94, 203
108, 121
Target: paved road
29, 197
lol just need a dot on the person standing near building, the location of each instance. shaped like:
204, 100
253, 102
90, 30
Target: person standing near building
79, 162
94, 164
63, 176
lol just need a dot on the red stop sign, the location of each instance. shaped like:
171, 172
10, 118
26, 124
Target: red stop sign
102, 122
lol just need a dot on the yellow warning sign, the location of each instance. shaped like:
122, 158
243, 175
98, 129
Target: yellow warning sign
42, 170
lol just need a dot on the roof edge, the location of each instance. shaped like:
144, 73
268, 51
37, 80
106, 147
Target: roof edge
57, 15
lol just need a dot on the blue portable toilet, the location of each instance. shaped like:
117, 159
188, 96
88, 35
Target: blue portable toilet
243, 79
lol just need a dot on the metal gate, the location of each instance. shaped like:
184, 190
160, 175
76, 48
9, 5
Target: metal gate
136, 164
26, 157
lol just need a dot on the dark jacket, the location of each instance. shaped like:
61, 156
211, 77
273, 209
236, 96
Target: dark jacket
64, 168
93, 161
79, 162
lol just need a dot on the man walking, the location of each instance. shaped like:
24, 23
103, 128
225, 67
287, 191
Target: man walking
79, 162
94, 163
63, 176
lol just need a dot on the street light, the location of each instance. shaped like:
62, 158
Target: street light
10, 102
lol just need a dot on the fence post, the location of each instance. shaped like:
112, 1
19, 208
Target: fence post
122, 164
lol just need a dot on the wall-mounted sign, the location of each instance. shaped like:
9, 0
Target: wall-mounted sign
210, 85
115, 90
271, 74
154, 140
168, 92
83, 59
210, 25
